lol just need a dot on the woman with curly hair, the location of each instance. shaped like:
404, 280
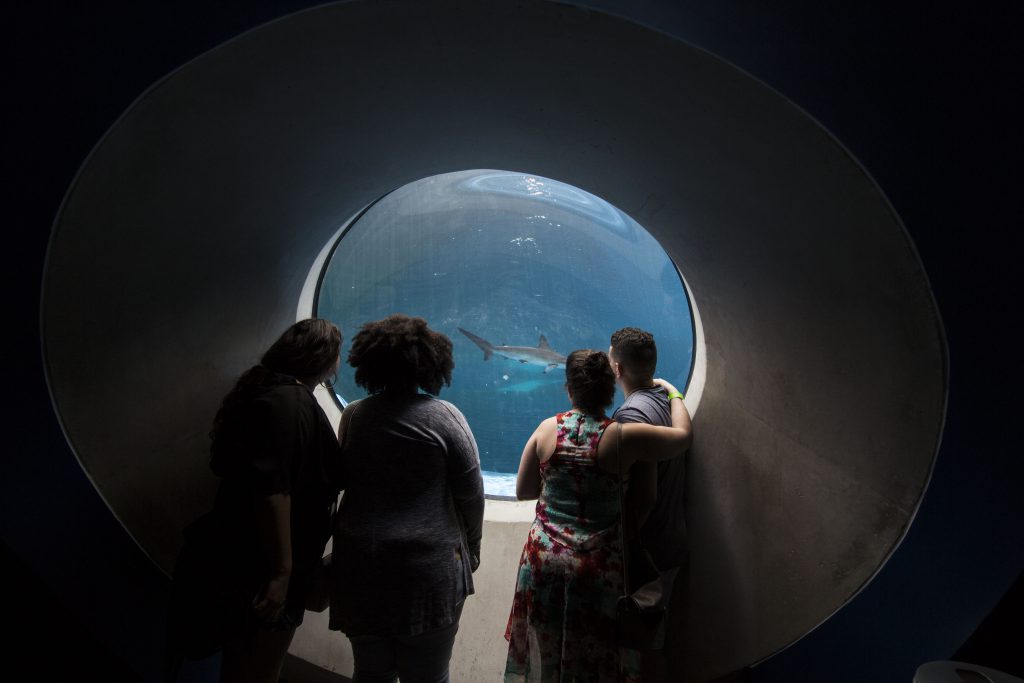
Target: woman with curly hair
562, 624
407, 535
273, 449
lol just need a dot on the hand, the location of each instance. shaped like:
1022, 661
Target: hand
474, 559
664, 384
269, 602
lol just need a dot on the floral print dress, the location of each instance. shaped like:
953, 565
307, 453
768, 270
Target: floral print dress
562, 625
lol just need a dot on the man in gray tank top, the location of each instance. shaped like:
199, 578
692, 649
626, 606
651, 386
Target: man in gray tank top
655, 493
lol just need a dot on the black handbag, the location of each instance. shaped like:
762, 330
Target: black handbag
640, 613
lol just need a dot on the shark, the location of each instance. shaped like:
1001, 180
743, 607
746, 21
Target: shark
542, 354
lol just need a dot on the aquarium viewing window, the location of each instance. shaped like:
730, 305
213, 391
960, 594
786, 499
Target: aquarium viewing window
518, 270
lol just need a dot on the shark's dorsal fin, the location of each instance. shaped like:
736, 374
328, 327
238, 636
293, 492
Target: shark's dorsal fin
543, 343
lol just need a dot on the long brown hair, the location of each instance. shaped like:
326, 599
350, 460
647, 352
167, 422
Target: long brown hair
307, 350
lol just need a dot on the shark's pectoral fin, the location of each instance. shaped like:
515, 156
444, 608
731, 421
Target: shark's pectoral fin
522, 361
487, 354
550, 367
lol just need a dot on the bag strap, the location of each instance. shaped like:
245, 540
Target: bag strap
622, 511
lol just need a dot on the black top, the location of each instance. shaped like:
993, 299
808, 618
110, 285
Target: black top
411, 517
278, 440
664, 532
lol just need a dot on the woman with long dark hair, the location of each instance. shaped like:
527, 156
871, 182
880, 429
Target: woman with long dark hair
276, 454
407, 536
562, 624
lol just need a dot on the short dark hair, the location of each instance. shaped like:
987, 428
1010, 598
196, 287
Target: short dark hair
635, 350
401, 352
590, 380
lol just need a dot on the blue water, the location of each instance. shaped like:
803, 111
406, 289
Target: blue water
508, 257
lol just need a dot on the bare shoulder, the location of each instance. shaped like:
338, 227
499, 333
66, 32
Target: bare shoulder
548, 426
545, 437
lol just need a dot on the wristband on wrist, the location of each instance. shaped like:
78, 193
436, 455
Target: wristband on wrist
676, 394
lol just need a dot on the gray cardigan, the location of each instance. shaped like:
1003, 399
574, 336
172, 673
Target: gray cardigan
410, 521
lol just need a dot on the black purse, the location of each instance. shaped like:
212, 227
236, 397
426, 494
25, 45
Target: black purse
640, 613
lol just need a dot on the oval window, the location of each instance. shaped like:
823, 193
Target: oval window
518, 270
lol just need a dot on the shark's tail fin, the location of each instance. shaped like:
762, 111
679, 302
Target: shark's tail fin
484, 345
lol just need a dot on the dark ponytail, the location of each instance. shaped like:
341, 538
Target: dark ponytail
590, 380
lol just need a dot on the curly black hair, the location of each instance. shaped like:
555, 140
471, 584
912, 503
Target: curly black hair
635, 350
401, 353
590, 380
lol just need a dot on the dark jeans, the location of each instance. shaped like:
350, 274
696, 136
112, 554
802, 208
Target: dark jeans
422, 658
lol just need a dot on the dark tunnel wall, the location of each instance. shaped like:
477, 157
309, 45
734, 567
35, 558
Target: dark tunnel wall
988, 463
199, 214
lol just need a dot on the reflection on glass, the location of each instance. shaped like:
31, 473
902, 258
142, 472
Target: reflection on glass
518, 271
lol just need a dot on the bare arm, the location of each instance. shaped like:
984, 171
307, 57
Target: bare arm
273, 524
648, 443
277, 442
680, 421
528, 480
680, 415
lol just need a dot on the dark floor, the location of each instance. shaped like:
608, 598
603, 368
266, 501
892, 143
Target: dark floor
42, 641
299, 671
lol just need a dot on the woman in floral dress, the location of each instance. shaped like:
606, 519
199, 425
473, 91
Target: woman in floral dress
562, 625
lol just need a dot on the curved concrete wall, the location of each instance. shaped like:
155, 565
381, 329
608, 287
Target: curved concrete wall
183, 246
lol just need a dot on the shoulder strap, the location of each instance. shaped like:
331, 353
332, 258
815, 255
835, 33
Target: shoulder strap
622, 511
